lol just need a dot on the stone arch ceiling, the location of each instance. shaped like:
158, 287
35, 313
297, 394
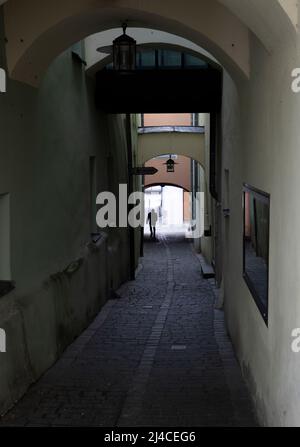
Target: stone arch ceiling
156, 144
267, 19
37, 32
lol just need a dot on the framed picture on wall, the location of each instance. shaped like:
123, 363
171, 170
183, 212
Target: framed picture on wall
256, 233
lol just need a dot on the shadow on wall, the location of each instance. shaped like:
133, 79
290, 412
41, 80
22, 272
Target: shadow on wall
43, 324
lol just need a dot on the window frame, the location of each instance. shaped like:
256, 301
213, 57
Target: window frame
264, 198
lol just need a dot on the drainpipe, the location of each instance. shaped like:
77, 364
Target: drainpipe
213, 189
142, 228
130, 191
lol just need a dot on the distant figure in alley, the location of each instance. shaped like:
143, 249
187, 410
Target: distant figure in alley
152, 220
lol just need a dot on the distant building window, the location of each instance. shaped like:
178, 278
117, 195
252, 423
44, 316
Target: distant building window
256, 246
166, 156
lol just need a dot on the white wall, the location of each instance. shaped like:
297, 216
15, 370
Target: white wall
172, 205
261, 147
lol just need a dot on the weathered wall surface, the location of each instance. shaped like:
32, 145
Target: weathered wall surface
49, 137
41, 324
261, 148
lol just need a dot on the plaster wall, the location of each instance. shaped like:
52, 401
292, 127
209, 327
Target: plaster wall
48, 136
40, 324
261, 148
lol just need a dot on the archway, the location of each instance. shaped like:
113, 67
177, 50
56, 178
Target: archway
172, 205
181, 143
181, 177
205, 22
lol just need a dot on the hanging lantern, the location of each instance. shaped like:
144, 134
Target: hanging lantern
170, 165
124, 52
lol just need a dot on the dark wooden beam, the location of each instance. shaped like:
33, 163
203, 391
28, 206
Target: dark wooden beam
160, 91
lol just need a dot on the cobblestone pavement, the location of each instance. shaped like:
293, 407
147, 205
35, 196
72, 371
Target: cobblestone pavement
159, 356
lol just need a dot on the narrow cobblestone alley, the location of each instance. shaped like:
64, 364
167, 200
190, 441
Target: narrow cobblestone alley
159, 356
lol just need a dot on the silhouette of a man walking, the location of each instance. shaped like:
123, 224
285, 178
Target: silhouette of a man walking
152, 220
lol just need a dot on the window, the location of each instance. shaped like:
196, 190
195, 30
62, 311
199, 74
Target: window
146, 59
256, 246
191, 61
166, 156
158, 59
170, 59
